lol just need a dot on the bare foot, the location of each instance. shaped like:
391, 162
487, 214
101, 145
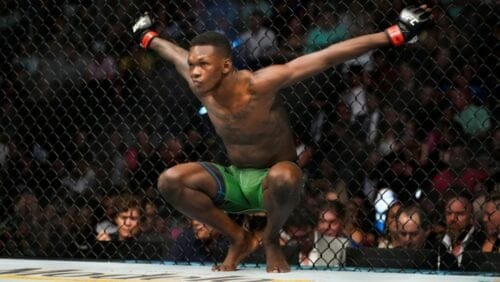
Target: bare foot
275, 259
238, 251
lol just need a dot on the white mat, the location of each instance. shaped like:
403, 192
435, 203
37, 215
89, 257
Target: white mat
56, 270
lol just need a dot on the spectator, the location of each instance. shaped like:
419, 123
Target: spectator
140, 162
413, 228
123, 239
299, 231
257, 42
355, 95
199, 243
77, 236
390, 237
475, 120
460, 170
126, 220
295, 40
333, 236
327, 31
491, 221
20, 230
81, 180
461, 231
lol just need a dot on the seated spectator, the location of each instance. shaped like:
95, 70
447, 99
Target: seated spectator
258, 42
460, 170
413, 228
475, 120
491, 221
321, 239
461, 232
299, 231
326, 31
126, 220
121, 238
20, 230
199, 243
390, 237
334, 239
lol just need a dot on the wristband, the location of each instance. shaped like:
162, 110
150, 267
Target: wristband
395, 35
146, 38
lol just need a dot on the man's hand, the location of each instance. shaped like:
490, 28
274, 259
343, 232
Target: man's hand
103, 237
143, 30
412, 21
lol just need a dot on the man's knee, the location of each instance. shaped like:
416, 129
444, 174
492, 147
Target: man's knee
285, 175
170, 182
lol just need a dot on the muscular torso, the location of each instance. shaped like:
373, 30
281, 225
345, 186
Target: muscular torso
255, 131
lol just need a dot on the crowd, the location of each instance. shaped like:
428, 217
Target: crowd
401, 147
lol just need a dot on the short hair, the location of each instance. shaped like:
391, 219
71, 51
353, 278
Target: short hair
457, 192
337, 207
126, 202
411, 210
213, 38
494, 198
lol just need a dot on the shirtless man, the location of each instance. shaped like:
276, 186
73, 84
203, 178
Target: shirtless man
247, 113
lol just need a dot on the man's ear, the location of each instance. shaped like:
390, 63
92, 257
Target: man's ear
227, 66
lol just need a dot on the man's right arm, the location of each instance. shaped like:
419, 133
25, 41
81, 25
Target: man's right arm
173, 53
144, 32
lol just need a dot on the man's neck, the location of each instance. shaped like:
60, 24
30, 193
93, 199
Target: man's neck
224, 94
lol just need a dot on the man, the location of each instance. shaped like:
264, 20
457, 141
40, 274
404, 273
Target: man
491, 221
126, 219
461, 233
248, 115
300, 232
413, 228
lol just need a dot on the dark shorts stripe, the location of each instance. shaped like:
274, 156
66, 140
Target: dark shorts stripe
219, 180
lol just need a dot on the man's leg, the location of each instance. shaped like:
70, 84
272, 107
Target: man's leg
282, 189
190, 189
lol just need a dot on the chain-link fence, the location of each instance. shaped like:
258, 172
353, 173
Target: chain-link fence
400, 146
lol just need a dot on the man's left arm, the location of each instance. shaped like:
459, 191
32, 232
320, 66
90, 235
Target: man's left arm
411, 22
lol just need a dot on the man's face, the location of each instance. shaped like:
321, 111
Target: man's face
128, 223
410, 233
491, 218
330, 224
202, 231
205, 67
458, 216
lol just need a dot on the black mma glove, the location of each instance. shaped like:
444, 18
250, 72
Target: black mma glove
144, 30
412, 20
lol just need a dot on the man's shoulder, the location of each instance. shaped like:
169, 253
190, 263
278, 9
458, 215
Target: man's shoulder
245, 77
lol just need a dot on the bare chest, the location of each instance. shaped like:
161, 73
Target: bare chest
247, 125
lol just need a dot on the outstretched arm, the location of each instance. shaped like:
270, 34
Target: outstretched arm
411, 22
278, 76
148, 38
173, 53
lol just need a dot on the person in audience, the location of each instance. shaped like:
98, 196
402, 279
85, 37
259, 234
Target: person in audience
299, 232
413, 228
491, 222
332, 237
126, 220
461, 232
390, 238
321, 241
258, 42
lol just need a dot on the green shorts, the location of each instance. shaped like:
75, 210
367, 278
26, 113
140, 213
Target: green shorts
239, 190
